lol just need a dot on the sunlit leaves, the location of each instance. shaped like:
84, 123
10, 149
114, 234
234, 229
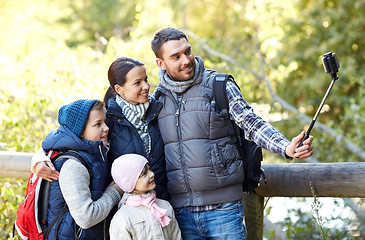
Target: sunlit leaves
11, 195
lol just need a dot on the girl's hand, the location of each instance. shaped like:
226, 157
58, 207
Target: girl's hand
114, 185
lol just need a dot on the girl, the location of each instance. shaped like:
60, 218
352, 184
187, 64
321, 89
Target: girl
141, 216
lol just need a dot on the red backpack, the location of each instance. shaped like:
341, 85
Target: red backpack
27, 224
31, 222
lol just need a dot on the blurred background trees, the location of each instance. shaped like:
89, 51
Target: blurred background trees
53, 52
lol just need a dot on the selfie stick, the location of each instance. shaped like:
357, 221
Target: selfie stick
331, 66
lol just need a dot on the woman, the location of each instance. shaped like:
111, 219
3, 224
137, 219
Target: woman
132, 118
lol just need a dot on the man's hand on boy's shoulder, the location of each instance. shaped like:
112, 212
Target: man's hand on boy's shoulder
305, 151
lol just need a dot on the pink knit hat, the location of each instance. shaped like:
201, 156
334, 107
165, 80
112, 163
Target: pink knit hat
126, 170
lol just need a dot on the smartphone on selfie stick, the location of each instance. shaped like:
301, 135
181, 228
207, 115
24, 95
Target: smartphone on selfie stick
331, 66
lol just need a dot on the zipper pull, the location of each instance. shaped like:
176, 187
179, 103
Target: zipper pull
177, 117
101, 152
183, 103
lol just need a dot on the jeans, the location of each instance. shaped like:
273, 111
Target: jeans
223, 222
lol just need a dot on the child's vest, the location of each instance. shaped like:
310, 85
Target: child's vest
250, 152
31, 222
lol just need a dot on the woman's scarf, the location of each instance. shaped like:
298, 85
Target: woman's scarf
135, 115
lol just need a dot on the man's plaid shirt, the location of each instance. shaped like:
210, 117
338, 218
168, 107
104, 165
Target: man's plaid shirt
255, 128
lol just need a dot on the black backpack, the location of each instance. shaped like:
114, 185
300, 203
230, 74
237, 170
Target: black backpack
250, 152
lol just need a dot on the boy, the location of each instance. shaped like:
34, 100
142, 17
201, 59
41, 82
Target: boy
84, 198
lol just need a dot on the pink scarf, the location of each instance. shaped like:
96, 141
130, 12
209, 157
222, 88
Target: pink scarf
149, 202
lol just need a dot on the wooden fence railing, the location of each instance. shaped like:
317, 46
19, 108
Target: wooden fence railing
345, 180
15, 164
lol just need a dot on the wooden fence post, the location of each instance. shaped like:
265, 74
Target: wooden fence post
253, 205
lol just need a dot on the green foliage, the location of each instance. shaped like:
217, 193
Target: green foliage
305, 228
11, 195
317, 218
92, 21
318, 28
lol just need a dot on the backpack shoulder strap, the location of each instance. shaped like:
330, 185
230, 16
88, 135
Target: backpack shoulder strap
76, 155
221, 99
45, 187
220, 93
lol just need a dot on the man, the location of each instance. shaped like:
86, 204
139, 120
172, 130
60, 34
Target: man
204, 169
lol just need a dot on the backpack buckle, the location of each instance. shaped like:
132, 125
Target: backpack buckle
225, 113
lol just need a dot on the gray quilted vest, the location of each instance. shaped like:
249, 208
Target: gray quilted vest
202, 162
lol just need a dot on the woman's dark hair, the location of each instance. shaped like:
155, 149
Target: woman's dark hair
117, 73
165, 35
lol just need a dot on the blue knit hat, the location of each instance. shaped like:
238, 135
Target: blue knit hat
75, 115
